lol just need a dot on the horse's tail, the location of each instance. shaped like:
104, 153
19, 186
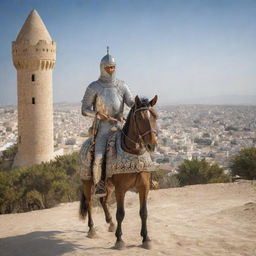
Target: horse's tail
83, 210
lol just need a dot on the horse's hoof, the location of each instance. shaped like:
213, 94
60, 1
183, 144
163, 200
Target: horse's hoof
92, 234
147, 245
120, 245
112, 227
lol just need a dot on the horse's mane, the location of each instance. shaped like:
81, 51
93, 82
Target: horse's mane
144, 102
127, 123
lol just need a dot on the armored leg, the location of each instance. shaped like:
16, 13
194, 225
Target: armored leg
100, 148
100, 189
97, 168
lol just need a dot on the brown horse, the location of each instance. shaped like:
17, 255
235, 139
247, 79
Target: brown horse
138, 134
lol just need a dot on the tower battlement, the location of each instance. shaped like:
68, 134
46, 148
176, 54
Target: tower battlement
34, 57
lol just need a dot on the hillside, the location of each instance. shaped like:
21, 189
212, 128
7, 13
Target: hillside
213, 219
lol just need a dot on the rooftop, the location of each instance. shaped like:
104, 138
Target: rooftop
33, 29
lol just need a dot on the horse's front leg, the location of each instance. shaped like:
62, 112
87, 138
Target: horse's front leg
143, 194
120, 193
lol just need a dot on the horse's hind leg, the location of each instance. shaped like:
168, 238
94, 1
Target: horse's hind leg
108, 217
88, 192
120, 193
143, 194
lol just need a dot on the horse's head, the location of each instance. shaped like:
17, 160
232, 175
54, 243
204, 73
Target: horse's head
145, 122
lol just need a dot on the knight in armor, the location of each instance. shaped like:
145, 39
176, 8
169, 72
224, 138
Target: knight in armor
104, 101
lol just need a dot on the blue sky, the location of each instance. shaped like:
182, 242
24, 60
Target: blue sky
181, 49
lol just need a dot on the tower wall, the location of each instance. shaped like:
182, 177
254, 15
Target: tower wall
34, 64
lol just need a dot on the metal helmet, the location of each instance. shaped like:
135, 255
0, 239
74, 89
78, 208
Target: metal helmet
105, 78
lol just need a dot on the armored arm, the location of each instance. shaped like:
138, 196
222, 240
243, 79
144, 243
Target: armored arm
88, 102
128, 98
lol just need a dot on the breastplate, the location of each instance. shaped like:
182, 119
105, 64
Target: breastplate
109, 101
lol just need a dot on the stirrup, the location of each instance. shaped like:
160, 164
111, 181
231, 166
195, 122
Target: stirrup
100, 189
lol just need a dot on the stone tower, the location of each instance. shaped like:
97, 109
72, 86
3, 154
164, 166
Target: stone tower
34, 55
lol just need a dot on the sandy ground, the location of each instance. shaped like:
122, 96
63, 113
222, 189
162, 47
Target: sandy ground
214, 219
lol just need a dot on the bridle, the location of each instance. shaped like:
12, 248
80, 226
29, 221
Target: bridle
141, 136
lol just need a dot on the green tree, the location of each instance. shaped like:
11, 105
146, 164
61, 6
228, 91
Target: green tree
7, 157
244, 163
10, 152
200, 172
40, 186
8, 194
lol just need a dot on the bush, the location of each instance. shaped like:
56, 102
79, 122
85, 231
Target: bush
244, 163
7, 158
40, 186
10, 152
200, 172
164, 180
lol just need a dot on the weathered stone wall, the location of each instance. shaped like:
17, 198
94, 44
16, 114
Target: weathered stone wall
34, 64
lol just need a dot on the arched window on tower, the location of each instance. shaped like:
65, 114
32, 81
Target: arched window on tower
33, 78
33, 100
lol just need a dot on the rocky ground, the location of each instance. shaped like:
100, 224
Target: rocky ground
213, 219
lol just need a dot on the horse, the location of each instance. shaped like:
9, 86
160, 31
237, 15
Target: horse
138, 135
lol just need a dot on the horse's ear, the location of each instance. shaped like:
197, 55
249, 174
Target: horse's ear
153, 101
137, 101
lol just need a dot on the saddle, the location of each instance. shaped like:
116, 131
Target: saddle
117, 161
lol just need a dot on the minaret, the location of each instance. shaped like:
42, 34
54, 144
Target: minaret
34, 55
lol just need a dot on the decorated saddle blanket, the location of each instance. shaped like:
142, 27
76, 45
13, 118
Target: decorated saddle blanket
117, 160
85, 155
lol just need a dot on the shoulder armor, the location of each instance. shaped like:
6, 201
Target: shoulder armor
94, 86
121, 85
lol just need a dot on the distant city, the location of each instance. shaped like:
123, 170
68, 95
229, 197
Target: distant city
212, 132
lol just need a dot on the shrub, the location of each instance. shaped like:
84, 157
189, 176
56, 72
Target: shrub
40, 186
164, 180
7, 157
10, 152
244, 163
200, 172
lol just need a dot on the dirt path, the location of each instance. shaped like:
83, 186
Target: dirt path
214, 219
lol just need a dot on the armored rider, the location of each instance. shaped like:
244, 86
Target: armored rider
104, 101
